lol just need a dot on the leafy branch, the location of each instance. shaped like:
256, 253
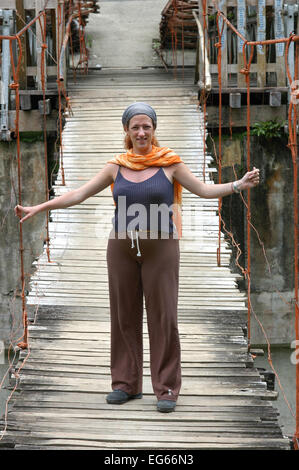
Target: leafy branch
268, 129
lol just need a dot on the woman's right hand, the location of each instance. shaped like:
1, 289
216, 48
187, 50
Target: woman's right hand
29, 211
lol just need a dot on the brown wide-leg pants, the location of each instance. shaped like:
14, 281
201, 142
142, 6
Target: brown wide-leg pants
155, 275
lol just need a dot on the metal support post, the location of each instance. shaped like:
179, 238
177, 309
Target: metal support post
7, 16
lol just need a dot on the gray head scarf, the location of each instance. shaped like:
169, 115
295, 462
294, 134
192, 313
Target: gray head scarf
139, 108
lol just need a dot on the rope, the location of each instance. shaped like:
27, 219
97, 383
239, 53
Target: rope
43, 80
292, 122
218, 45
59, 86
205, 27
15, 86
246, 71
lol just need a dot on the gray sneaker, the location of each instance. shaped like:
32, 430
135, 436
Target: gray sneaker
166, 406
117, 397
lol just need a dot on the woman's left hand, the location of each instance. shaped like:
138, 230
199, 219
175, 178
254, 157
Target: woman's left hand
249, 180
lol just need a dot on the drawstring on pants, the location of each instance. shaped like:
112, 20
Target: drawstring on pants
137, 241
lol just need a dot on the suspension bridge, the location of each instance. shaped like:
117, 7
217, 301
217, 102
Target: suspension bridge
62, 376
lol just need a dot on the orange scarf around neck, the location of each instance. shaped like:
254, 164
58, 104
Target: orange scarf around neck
159, 156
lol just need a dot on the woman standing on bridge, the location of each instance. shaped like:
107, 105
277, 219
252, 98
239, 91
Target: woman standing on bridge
143, 253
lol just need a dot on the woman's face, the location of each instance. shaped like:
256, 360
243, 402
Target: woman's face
141, 131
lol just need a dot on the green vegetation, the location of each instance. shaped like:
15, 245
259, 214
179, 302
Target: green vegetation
31, 137
88, 40
268, 129
156, 44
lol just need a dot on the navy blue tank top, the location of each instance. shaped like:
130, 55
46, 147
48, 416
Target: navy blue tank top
143, 206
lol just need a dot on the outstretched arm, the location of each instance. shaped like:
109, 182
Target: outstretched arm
209, 191
99, 182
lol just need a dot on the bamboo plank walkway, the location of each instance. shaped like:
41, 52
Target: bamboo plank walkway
60, 403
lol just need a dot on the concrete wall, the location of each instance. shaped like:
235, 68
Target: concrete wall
273, 281
33, 192
272, 256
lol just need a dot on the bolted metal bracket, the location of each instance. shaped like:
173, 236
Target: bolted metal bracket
235, 100
275, 98
48, 107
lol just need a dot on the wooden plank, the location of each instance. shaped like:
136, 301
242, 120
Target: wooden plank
261, 36
216, 425
234, 3
20, 22
224, 74
39, 4
241, 26
90, 426
28, 4
279, 48
125, 439
251, 429
76, 400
